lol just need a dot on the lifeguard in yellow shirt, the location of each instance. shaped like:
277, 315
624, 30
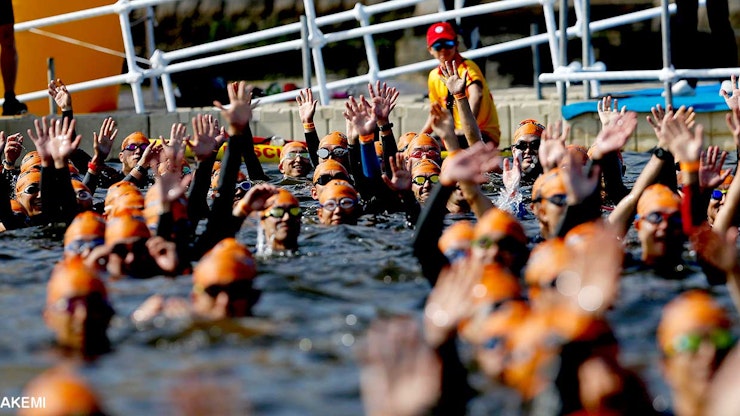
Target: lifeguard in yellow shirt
442, 44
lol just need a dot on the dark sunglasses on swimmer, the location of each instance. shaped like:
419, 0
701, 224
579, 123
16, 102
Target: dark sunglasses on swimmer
524, 145
137, 247
657, 217
722, 339
324, 153
558, 199
343, 203
443, 44
327, 177
80, 246
93, 302
718, 194
279, 212
131, 147
429, 153
32, 189
506, 243
238, 289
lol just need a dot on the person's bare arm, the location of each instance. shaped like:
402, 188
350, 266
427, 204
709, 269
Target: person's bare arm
475, 97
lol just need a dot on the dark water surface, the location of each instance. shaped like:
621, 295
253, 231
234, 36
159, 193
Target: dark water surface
296, 356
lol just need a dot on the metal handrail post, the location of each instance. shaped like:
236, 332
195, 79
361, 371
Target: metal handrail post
665, 36
305, 54
150, 48
134, 71
316, 40
536, 67
586, 42
370, 51
562, 88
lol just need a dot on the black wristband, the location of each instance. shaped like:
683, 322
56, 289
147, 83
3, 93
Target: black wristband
385, 127
662, 154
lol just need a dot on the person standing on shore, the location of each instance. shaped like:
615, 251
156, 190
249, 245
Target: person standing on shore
9, 60
442, 44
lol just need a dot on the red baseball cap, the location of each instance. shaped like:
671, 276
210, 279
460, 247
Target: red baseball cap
439, 31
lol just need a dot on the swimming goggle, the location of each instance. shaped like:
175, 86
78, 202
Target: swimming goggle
344, 203
324, 153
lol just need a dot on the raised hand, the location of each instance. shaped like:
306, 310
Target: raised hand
455, 83
733, 101
401, 180
54, 140
255, 199
359, 114
306, 105
685, 145
578, 184
512, 175
205, 130
443, 125
710, 168
614, 135
58, 91
607, 113
552, 145
383, 100
13, 147
164, 253
239, 113
103, 141
399, 374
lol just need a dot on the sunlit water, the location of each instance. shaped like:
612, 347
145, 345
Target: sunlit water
297, 356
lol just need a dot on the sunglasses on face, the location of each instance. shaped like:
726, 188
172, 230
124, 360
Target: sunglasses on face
131, 147
325, 153
294, 154
506, 243
327, 177
279, 212
524, 145
656, 217
443, 44
421, 180
429, 153
344, 203
722, 339
718, 194
93, 302
239, 289
84, 196
32, 189
244, 186
137, 247
558, 199
80, 246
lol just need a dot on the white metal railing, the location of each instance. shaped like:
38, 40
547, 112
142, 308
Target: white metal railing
315, 39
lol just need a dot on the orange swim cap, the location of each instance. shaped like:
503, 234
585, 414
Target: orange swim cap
425, 166
690, 312
546, 261
422, 139
657, 197
499, 221
118, 189
127, 224
125, 202
64, 393
136, 137
527, 127
460, 233
547, 185
31, 160
79, 186
329, 165
579, 153
337, 189
87, 224
334, 138
283, 198
405, 139
17, 207
27, 178
499, 285
226, 262
71, 277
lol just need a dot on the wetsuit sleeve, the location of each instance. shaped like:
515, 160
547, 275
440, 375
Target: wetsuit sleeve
428, 230
252, 162
456, 392
7, 217
312, 142
611, 172
390, 148
198, 192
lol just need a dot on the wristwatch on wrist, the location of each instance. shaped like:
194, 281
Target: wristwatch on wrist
386, 127
140, 168
7, 165
662, 154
